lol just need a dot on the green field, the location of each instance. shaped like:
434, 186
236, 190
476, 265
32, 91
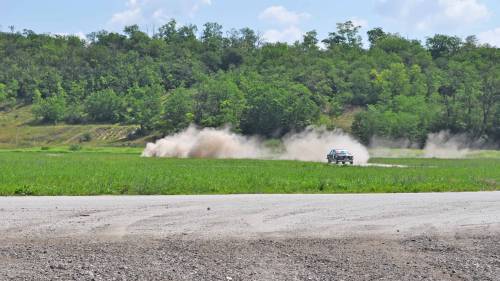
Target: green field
121, 171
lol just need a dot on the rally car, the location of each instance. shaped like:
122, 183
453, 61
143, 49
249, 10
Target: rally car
340, 155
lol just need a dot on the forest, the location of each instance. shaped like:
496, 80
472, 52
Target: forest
180, 75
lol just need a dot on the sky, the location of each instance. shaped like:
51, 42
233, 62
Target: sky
282, 20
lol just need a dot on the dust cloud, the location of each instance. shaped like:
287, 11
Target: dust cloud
392, 148
314, 143
446, 145
206, 143
383, 142
310, 145
442, 145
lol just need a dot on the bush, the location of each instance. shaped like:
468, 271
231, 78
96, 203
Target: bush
51, 109
179, 108
86, 137
75, 115
75, 147
104, 106
8, 104
44, 148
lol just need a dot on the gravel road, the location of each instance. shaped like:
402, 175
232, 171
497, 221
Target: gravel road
434, 236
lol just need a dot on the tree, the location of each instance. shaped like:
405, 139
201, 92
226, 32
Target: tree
163, 83
178, 110
471, 41
218, 102
375, 35
399, 49
347, 35
408, 117
276, 107
50, 110
301, 110
213, 42
104, 106
393, 82
168, 31
248, 40
187, 32
365, 125
231, 57
443, 45
494, 131
137, 39
143, 106
490, 96
3, 92
212, 35
310, 41
461, 99
417, 81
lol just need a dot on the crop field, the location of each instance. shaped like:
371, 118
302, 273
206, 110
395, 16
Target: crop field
123, 171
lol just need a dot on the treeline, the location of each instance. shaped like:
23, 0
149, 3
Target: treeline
181, 75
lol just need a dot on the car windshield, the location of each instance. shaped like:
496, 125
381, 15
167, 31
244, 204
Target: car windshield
343, 152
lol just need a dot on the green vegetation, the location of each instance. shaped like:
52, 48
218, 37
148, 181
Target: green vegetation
122, 171
396, 88
18, 131
83, 149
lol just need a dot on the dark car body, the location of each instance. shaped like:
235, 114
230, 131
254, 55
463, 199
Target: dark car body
340, 155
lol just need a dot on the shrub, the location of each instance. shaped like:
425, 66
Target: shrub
86, 137
103, 106
51, 109
75, 115
75, 147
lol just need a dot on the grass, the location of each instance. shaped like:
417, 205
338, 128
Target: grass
136, 150
345, 120
418, 153
19, 129
93, 171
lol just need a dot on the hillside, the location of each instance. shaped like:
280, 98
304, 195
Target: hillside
400, 88
17, 129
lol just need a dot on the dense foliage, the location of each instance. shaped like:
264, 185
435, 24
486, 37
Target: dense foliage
180, 76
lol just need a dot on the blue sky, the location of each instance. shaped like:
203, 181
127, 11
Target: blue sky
283, 20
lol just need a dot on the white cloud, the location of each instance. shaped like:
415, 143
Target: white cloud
428, 14
197, 5
359, 22
160, 15
127, 17
281, 15
289, 35
470, 11
155, 11
288, 22
491, 37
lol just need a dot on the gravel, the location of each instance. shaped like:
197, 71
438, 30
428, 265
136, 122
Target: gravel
445, 236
